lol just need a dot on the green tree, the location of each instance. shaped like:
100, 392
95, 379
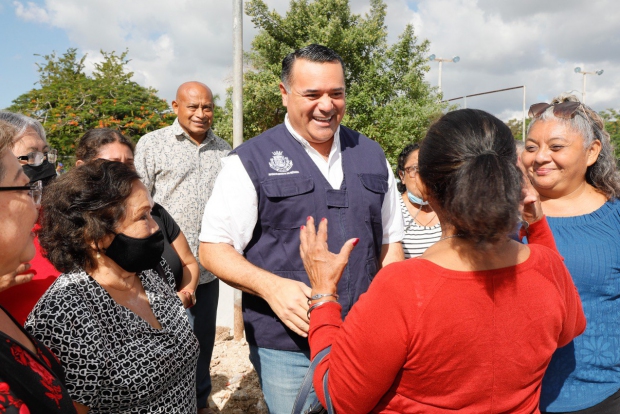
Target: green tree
68, 102
612, 125
516, 127
387, 98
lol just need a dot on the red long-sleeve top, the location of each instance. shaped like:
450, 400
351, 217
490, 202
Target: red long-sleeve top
426, 339
19, 300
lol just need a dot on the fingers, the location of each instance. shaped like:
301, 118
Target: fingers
289, 301
21, 274
322, 233
306, 289
22, 268
184, 300
307, 236
347, 248
25, 278
298, 325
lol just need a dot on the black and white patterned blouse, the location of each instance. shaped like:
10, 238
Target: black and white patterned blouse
115, 361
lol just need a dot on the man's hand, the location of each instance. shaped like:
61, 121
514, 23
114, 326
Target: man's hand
289, 300
17, 277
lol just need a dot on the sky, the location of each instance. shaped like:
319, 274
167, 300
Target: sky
501, 44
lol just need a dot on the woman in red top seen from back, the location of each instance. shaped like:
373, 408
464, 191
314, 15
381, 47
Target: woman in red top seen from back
470, 326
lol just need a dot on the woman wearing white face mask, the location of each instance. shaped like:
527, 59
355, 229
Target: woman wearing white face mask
422, 227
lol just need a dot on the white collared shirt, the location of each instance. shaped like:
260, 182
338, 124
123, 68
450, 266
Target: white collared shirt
232, 210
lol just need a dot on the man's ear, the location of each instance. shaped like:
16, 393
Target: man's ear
175, 107
284, 93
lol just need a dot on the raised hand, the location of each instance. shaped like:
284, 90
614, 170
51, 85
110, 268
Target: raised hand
323, 267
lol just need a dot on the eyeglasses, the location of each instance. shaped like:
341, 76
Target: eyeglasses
412, 171
35, 190
566, 110
36, 158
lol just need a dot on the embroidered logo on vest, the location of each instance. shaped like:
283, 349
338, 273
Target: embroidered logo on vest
280, 163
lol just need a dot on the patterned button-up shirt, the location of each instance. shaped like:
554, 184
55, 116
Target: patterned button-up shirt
180, 175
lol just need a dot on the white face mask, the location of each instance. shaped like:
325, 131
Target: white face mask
415, 199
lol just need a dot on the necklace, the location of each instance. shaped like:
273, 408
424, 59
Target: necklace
428, 222
449, 237
415, 218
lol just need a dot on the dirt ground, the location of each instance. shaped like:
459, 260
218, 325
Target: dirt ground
235, 383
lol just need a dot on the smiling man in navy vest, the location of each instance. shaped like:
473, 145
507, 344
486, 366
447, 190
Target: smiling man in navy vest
308, 166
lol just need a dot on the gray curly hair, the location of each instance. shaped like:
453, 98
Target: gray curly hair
603, 174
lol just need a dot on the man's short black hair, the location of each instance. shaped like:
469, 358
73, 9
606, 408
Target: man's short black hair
313, 53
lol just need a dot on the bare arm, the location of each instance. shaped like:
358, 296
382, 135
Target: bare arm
287, 298
392, 252
191, 272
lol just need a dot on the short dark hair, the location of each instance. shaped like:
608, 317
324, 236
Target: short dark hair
82, 207
402, 160
468, 162
313, 53
92, 141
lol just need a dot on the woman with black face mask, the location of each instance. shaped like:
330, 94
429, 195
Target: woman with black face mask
113, 321
31, 149
37, 160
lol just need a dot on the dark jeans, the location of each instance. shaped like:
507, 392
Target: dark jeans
610, 405
202, 318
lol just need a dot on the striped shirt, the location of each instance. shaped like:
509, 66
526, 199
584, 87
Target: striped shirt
417, 238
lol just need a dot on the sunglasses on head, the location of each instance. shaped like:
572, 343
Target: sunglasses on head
566, 110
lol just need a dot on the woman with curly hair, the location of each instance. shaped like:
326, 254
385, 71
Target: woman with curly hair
116, 325
109, 144
570, 161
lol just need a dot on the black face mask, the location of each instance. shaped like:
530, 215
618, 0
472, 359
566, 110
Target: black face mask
136, 255
44, 172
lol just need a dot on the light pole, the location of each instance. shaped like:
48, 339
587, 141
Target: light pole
584, 73
434, 58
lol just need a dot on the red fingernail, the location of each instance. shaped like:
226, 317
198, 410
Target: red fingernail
303, 227
323, 219
308, 218
355, 242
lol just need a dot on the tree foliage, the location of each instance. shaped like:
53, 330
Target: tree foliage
612, 125
69, 102
387, 98
516, 127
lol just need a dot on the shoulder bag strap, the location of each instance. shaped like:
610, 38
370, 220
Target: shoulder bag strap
306, 385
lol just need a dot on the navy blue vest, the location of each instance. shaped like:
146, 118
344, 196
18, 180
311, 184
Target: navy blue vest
290, 188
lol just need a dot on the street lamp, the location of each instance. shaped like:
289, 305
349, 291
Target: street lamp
434, 58
584, 73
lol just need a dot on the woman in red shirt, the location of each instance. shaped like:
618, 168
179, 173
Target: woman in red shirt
471, 325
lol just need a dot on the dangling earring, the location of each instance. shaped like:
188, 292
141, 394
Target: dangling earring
98, 255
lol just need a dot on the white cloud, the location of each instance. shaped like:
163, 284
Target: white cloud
532, 43
501, 43
31, 12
